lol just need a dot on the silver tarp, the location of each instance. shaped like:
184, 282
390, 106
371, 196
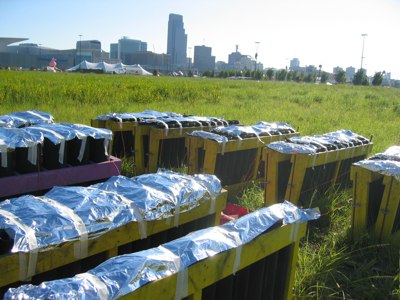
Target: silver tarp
209, 136
68, 213
319, 143
123, 274
236, 131
257, 130
11, 138
165, 193
96, 133
386, 163
26, 118
19, 138
137, 116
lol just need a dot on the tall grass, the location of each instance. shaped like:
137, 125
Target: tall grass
313, 109
330, 265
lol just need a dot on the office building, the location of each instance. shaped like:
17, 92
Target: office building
203, 60
89, 50
177, 42
350, 72
294, 64
126, 47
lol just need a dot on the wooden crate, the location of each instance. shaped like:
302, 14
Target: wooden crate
376, 205
296, 177
122, 143
61, 261
236, 163
266, 271
165, 142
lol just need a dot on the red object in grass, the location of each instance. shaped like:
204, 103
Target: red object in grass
232, 212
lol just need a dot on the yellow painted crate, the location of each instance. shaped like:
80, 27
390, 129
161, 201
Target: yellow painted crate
296, 177
376, 205
60, 261
167, 147
266, 271
236, 163
122, 143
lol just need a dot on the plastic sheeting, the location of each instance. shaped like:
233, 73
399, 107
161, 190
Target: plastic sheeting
386, 163
122, 275
68, 213
185, 121
25, 118
319, 143
137, 116
209, 136
19, 138
96, 133
222, 134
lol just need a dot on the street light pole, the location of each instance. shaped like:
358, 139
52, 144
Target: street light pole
80, 48
255, 66
362, 51
190, 54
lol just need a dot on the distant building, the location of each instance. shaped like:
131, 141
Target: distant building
294, 64
311, 69
126, 47
88, 50
221, 66
30, 55
337, 70
114, 51
350, 72
203, 60
177, 42
150, 60
238, 61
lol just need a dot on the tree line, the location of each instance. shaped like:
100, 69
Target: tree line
360, 77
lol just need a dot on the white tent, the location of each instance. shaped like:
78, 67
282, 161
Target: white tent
110, 68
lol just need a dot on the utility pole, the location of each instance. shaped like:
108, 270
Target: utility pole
80, 48
255, 66
362, 51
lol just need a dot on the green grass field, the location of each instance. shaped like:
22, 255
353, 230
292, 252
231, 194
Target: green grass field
330, 265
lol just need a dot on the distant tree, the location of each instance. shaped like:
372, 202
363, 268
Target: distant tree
378, 78
360, 78
340, 77
247, 73
259, 75
281, 75
324, 77
270, 73
290, 76
310, 77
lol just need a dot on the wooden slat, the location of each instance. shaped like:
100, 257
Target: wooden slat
208, 271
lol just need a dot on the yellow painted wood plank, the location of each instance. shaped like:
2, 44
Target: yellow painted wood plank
194, 145
296, 178
98, 123
220, 266
139, 132
273, 158
361, 190
389, 207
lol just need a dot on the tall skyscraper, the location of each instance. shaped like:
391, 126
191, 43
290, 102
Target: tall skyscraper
177, 41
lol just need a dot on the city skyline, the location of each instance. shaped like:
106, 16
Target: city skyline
326, 33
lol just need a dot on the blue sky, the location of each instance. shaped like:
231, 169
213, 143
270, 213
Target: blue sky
326, 32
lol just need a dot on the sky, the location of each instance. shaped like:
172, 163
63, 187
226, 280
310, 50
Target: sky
317, 32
